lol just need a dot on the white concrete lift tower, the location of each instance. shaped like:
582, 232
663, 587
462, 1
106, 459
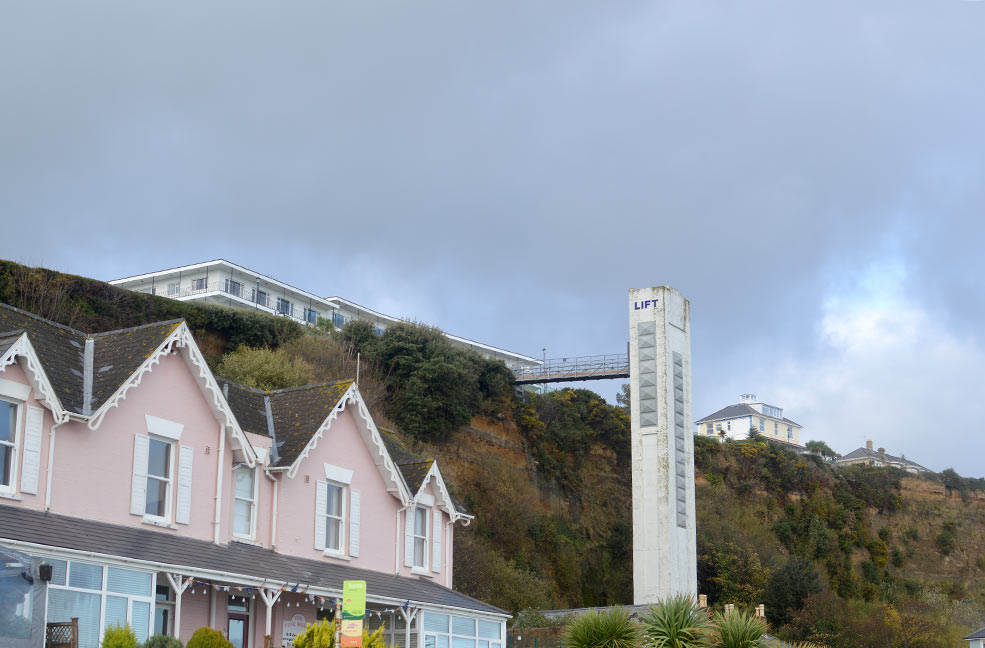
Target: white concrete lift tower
664, 541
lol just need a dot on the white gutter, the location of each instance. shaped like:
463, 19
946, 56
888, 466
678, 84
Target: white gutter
217, 524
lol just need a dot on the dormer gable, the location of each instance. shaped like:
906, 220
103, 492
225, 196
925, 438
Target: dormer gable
16, 346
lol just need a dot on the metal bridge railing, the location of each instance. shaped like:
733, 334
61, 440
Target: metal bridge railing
577, 368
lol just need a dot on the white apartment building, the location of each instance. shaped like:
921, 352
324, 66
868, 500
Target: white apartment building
228, 284
735, 421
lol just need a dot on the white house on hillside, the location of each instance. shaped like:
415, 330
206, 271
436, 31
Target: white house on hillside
228, 284
735, 421
879, 457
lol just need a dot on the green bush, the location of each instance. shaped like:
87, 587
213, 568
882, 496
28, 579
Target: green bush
119, 637
322, 635
945, 542
206, 637
610, 628
787, 589
265, 369
737, 629
162, 641
676, 622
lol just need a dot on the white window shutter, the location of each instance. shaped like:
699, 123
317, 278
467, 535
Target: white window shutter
436, 555
138, 491
184, 513
354, 497
321, 505
409, 538
32, 450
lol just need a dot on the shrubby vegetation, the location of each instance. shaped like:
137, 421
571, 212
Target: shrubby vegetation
322, 635
206, 637
265, 369
94, 306
162, 641
117, 636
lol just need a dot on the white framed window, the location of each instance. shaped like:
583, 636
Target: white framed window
330, 515
442, 631
160, 464
244, 501
421, 526
172, 289
99, 597
199, 284
9, 424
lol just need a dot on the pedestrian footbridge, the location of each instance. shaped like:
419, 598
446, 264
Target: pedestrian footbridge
598, 367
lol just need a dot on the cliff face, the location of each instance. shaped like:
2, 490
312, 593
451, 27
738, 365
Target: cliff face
535, 543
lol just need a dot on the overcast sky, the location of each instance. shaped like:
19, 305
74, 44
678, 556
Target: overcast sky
810, 176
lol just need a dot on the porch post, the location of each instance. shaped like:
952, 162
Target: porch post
179, 585
269, 598
408, 620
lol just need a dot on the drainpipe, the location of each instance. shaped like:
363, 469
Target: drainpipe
218, 482
273, 519
51, 461
396, 544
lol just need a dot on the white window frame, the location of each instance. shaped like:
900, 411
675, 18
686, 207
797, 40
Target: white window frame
343, 519
426, 538
253, 503
169, 497
167, 604
10, 490
173, 288
103, 592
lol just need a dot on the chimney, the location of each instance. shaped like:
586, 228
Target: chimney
882, 451
868, 444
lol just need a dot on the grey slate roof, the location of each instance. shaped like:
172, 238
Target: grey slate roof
7, 340
978, 634
296, 413
865, 453
741, 409
61, 350
65, 532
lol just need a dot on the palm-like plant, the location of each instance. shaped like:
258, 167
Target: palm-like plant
676, 622
610, 628
740, 630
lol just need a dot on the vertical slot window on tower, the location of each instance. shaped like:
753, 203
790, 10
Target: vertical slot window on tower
646, 334
680, 441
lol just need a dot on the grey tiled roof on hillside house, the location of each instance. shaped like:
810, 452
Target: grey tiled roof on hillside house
61, 350
235, 559
865, 453
296, 413
736, 411
732, 411
978, 634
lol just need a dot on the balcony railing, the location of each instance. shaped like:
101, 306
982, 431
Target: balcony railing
270, 303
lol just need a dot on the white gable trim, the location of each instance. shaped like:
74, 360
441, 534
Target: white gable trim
374, 442
23, 348
443, 495
181, 339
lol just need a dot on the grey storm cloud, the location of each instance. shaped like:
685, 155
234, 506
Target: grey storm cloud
508, 170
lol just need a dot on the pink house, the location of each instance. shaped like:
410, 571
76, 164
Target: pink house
168, 499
